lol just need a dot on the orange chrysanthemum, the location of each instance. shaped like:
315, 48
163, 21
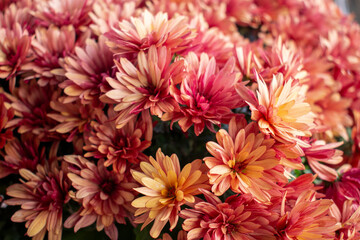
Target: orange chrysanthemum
140, 33
119, 147
308, 219
244, 160
41, 196
166, 188
104, 196
145, 86
280, 109
5, 116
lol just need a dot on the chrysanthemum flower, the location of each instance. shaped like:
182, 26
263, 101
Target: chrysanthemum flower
104, 196
166, 187
14, 52
73, 118
50, 46
119, 147
308, 219
63, 13
239, 217
326, 153
349, 219
6, 114
348, 188
16, 13
206, 94
22, 154
31, 104
87, 70
244, 160
280, 110
140, 33
107, 14
145, 86
41, 196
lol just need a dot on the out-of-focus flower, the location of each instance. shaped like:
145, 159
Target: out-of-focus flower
14, 52
17, 14
205, 94
239, 217
349, 219
104, 196
244, 160
140, 33
348, 188
355, 135
41, 196
6, 114
22, 154
31, 104
87, 70
326, 153
280, 110
145, 86
119, 147
63, 13
308, 219
74, 118
50, 46
106, 14
166, 187
181, 236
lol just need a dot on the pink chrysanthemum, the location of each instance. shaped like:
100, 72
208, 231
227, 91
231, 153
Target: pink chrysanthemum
140, 33
205, 94
280, 110
166, 188
14, 52
6, 114
22, 154
145, 86
119, 147
87, 70
239, 217
104, 196
245, 161
32, 104
63, 13
50, 46
326, 153
41, 196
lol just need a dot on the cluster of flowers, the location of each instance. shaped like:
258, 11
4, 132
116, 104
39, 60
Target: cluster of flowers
84, 83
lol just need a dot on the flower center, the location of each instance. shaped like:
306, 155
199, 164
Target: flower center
108, 187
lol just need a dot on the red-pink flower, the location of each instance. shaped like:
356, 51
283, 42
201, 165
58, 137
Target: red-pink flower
41, 195
119, 147
325, 153
206, 94
239, 217
86, 72
31, 104
22, 154
6, 114
104, 196
14, 52
145, 86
